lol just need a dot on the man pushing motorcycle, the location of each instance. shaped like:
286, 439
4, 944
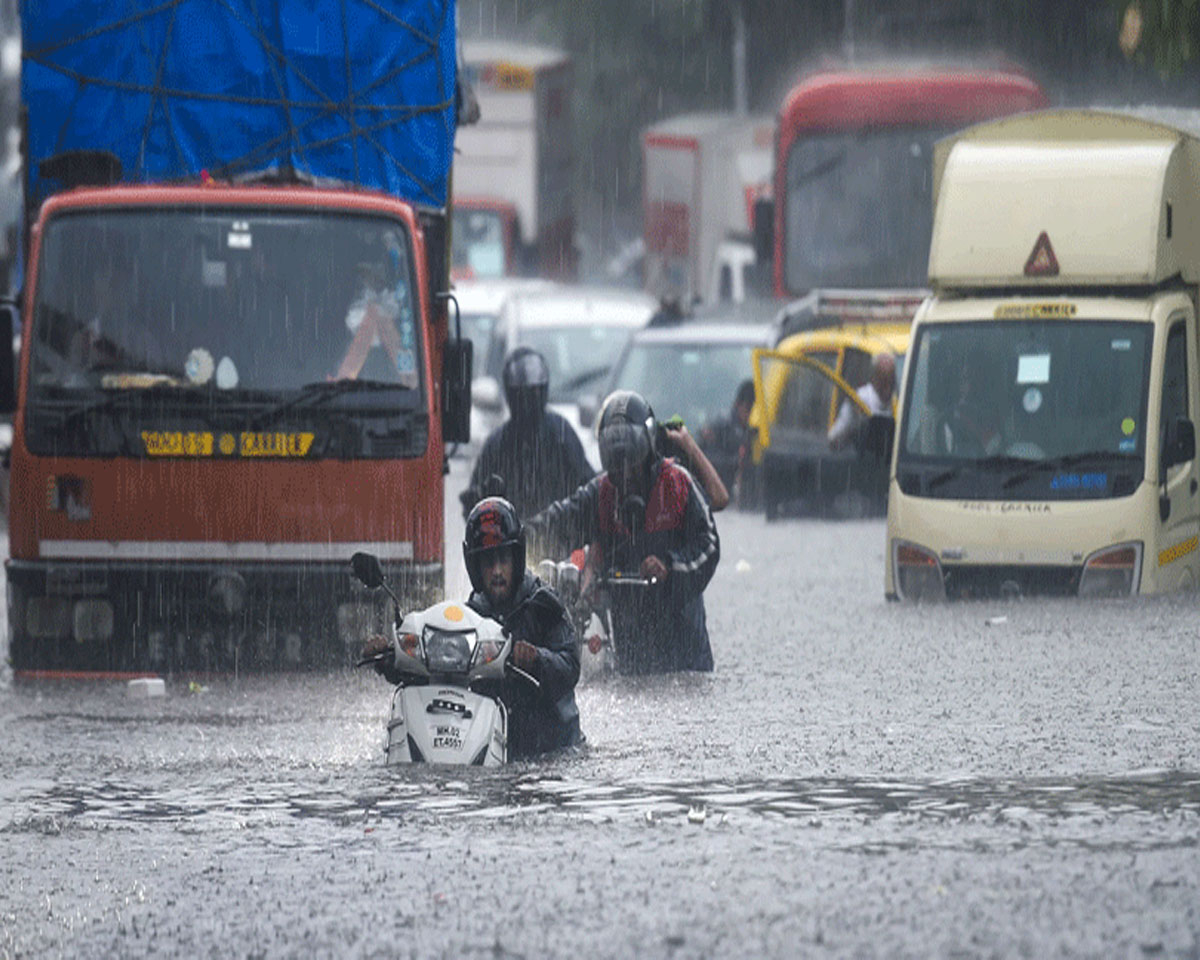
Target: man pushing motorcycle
651, 539
540, 718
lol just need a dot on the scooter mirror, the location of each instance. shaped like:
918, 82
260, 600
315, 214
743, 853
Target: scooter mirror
568, 583
367, 569
547, 571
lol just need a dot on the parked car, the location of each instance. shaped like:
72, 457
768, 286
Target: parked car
799, 387
579, 330
692, 370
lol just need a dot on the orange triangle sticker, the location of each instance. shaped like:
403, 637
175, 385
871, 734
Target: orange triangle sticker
1042, 262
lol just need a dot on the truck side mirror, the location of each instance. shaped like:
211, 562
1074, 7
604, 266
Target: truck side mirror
9, 320
456, 391
764, 230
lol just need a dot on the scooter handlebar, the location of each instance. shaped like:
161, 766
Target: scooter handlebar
630, 581
529, 678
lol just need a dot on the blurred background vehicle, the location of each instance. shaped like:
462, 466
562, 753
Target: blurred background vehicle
703, 173
514, 209
796, 401
479, 304
579, 330
844, 131
800, 472
693, 371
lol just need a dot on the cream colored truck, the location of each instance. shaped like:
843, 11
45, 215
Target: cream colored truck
1046, 440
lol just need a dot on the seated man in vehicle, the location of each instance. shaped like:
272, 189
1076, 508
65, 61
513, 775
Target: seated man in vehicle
876, 394
540, 718
973, 427
535, 453
643, 516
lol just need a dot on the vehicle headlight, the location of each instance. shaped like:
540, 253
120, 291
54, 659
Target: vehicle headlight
918, 573
448, 652
1114, 571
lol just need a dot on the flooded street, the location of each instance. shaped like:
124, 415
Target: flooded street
857, 778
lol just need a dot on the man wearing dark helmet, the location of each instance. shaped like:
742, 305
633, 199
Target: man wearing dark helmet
546, 717
540, 718
535, 454
643, 514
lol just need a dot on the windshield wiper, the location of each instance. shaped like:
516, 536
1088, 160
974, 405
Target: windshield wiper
822, 168
121, 397
1065, 462
321, 392
983, 463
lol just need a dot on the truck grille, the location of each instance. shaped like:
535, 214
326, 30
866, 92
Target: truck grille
966, 581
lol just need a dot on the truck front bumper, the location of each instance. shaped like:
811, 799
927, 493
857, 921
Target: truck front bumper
92, 616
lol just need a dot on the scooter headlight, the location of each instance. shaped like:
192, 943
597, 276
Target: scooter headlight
447, 652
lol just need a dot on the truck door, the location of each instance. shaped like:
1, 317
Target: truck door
1176, 556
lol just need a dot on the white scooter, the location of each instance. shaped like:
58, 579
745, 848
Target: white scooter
441, 653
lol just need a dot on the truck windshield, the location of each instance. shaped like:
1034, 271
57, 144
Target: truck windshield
858, 210
478, 244
1021, 410
273, 310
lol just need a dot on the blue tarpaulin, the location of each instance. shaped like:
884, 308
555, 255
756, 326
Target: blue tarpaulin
360, 91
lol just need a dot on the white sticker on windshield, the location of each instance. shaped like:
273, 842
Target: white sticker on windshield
1034, 368
1122, 344
240, 241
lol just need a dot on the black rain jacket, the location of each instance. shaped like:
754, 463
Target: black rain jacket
545, 718
540, 461
662, 627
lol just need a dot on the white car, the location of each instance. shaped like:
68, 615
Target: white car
579, 330
479, 304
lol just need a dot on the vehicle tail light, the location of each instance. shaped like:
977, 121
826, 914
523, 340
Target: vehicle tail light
1112, 572
918, 573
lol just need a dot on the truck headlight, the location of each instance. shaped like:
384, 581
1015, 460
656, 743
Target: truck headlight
1114, 571
918, 573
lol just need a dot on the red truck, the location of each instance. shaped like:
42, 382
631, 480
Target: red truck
853, 201
236, 365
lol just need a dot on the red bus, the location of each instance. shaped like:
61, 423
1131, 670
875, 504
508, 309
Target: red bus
853, 169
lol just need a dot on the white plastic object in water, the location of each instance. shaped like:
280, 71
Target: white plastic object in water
145, 687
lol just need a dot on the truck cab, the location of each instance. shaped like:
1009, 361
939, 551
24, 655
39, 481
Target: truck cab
1046, 438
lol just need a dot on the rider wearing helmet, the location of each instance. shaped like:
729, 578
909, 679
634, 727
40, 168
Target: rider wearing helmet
644, 515
546, 717
535, 454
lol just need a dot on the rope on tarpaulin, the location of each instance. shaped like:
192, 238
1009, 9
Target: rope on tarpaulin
280, 146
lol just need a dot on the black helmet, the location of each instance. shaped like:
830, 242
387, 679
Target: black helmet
491, 524
526, 383
626, 431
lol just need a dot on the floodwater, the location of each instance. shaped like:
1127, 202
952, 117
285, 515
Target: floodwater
857, 778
